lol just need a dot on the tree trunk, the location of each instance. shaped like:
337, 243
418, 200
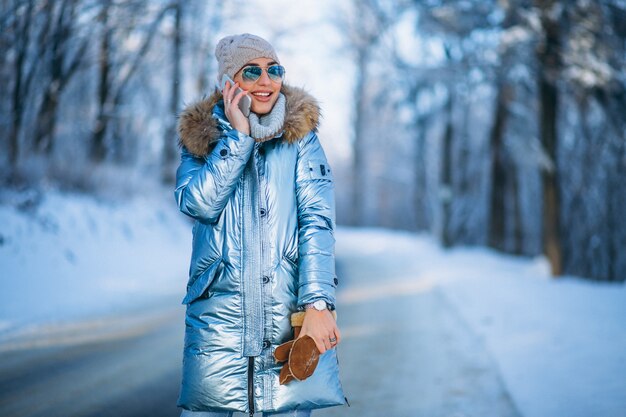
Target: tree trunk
98, 150
518, 226
549, 63
359, 173
613, 103
21, 27
499, 172
422, 219
446, 186
61, 69
503, 171
46, 121
169, 142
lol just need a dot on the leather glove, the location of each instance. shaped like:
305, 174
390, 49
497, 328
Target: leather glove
300, 354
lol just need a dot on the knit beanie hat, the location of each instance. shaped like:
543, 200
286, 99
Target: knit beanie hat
235, 51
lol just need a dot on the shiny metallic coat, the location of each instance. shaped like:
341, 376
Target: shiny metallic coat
263, 246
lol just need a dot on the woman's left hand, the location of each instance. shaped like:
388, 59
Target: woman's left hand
322, 328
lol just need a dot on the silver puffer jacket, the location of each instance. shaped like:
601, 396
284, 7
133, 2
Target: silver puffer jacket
263, 246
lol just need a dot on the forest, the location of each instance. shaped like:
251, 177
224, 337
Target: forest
494, 123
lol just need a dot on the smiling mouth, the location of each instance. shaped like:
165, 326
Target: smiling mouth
262, 96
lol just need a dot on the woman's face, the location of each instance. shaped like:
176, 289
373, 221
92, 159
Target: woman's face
264, 91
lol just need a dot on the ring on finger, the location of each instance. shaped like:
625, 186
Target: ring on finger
332, 339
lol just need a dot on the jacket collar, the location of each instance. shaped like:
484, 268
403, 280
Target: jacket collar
201, 124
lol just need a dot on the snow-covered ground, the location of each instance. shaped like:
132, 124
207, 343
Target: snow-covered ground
559, 344
66, 257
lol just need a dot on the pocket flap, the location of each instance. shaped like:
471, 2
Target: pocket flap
199, 286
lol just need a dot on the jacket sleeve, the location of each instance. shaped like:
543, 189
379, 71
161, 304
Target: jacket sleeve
316, 224
204, 184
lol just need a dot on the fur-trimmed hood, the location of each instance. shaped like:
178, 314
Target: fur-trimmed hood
198, 129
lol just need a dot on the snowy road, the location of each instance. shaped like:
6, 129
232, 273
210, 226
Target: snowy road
121, 367
406, 352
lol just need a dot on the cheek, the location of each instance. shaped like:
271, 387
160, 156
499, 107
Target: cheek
238, 79
274, 99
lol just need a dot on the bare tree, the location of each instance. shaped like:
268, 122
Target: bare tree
23, 70
169, 144
446, 186
116, 70
503, 171
363, 31
62, 63
592, 194
366, 32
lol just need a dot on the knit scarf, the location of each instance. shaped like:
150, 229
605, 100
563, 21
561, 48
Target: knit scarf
268, 125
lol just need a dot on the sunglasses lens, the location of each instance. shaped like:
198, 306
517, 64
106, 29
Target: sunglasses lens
276, 72
251, 73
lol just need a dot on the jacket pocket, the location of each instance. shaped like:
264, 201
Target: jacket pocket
319, 170
200, 285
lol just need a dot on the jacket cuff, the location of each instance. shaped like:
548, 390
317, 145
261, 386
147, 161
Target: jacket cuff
236, 144
312, 292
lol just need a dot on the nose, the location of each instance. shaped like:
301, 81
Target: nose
264, 79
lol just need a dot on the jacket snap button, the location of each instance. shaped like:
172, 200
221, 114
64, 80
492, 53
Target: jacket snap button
263, 212
223, 152
336, 281
266, 279
266, 344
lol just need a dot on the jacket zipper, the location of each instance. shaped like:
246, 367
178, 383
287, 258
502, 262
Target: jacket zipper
251, 385
260, 233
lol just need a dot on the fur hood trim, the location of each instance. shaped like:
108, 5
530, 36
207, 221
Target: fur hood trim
198, 130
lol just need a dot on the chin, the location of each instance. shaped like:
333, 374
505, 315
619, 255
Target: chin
262, 108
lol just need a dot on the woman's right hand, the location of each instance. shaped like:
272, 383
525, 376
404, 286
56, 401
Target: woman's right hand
231, 107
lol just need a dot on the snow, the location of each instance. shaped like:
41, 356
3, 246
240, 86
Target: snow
515, 35
71, 256
558, 344
556, 341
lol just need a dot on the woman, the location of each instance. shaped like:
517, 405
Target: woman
262, 194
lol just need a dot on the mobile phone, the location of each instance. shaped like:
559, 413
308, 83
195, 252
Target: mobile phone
245, 102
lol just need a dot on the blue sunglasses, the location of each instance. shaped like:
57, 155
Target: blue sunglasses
253, 73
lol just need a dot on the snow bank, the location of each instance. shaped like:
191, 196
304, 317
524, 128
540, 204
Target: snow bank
67, 256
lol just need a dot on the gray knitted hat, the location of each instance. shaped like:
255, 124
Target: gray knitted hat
235, 51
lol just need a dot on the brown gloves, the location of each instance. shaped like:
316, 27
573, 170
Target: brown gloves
300, 355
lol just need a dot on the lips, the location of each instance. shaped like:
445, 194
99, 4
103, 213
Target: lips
262, 96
